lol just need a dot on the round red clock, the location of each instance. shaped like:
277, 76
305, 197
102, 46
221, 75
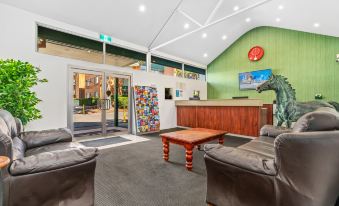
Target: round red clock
256, 53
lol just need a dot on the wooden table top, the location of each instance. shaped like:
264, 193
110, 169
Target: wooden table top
4, 161
193, 135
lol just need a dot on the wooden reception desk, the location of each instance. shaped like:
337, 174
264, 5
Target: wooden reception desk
242, 116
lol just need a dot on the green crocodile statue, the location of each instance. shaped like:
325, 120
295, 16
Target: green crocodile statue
288, 109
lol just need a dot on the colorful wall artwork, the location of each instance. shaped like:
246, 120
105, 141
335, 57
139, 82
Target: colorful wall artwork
147, 109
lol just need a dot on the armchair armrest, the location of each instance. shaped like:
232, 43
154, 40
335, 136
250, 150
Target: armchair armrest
273, 131
254, 162
39, 138
301, 155
52, 160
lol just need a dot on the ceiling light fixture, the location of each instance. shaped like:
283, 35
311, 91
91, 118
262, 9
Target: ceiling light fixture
205, 55
235, 8
316, 25
142, 8
224, 37
187, 25
281, 7
248, 20
204, 35
277, 19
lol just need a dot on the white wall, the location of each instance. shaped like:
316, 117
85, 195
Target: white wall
18, 41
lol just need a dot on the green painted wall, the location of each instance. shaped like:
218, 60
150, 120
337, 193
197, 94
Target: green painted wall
307, 60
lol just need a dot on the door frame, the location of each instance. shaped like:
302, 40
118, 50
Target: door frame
104, 73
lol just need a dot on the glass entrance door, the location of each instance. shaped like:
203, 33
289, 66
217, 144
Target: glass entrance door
100, 103
87, 92
117, 91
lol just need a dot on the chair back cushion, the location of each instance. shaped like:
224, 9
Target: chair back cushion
8, 121
323, 119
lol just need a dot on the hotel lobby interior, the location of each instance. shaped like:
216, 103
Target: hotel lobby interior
169, 103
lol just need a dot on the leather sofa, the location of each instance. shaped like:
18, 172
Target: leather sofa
46, 167
283, 167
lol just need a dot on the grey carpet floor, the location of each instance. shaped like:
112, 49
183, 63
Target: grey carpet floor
136, 175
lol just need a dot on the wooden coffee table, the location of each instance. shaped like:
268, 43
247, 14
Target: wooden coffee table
189, 139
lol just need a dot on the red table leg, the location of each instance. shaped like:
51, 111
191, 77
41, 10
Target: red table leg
189, 156
221, 139
165, 148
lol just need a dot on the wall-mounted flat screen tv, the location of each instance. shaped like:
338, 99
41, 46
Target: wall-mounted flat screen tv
250, 80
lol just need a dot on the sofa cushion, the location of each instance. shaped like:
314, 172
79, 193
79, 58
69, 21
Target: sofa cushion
19, 148
53, 147
324, 119
260, 161
45, 137
261, 147
52, 160
273, 131
266, 139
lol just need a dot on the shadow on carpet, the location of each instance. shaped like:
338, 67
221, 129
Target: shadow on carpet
137, 175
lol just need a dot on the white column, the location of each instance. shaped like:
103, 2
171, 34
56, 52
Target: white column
148, 61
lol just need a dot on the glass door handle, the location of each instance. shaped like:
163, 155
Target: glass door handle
104, 104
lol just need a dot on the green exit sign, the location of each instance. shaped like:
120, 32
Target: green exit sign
105, 38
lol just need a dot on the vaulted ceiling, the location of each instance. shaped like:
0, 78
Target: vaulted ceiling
196, 30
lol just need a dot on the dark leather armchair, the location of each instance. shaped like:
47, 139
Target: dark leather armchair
282, 167
46, 167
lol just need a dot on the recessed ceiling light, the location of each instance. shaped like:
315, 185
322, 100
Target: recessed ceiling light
187, 25
281, 7
235, 8
204, 35
224, 37
277, 19
248, 19
142, 8
316, 25
205, 55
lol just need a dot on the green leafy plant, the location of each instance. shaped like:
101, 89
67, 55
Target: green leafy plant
16, 81
123, 102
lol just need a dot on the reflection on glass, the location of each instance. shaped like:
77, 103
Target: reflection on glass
122, 61
122, 57
86, 97
70, 51
117, 89
170, 71
191, 75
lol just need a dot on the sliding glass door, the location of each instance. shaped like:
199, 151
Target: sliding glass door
117, 91
99, 105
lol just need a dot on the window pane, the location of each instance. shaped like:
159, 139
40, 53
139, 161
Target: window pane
167, 67
194, 73
62, 44
122, 57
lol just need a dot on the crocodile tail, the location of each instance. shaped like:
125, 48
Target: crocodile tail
335, 105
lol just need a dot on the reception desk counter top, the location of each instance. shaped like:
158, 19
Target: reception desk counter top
222, 103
